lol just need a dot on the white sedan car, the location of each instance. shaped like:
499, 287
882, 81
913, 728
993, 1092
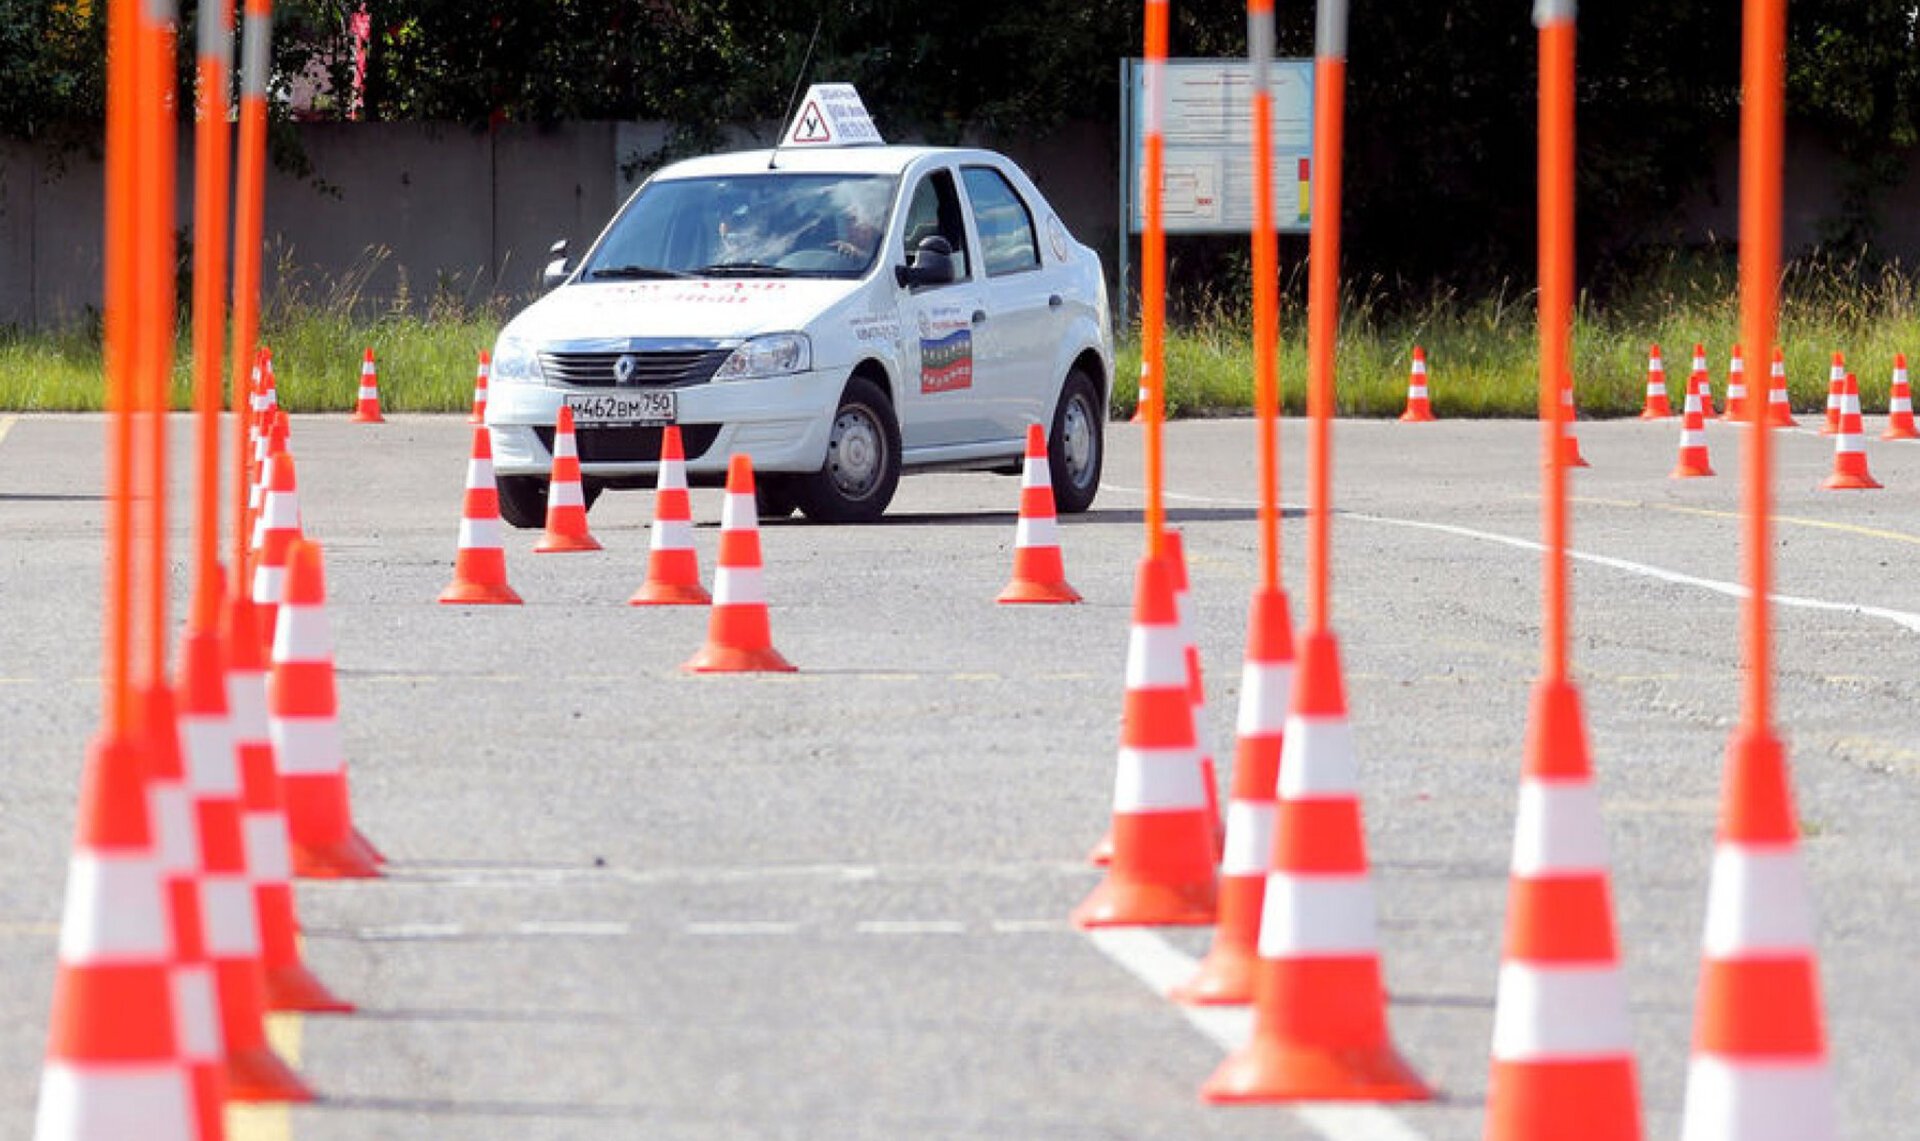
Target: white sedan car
840, 314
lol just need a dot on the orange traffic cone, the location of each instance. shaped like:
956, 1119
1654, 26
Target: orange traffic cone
673, 567
1736, 385
479, 413
1039, 574
1779, 403
1560, 1048
1900, 404
272, 385
253, 1071
1759, 1067
303, 718
1140, 402
112, 1066
368, 410
1849, 445
739, 638
1693, 440
269, 441
1162, 870
1227, 974
1176, 555
1419, 410
1320, 1026
274, 533
1836, 385
566, 500
289, 984
1698, 378
1569, 442
480, 565
1656, 407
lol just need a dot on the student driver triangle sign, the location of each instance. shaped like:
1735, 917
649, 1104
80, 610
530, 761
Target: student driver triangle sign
811, 127
831, 115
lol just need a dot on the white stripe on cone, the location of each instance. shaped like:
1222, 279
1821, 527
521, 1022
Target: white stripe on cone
738, 512
1035, 473
1329, 741
308, 746
301, 634
1560, 1013
739, 586
479, 474
479, 534
566, 493
1249, 848
1040, 531
1752, 1100
114, 911
672, 535
1156, 658
1559, 830
196, 1013
207, 748
1758, 903
176, 831
1310, 915
101, 1103
232, 927
1264, 694
269, 857
1157, 780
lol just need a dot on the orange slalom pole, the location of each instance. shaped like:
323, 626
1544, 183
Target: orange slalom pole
1761, 160
1153, 274
153, 275
249, 216
212, 169
1323, 302
1556, 309
118, 291
1266, 291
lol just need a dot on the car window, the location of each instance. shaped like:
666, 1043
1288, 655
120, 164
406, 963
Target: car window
1007, 240
935, 211
812, 225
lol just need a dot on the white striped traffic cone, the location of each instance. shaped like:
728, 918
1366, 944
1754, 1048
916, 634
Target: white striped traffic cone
1699, 378
566, 500
1569, 440
673, 566
1693, 461
1736, 385
1849, 445
480, 565
1836, 386
1176, 554
1656, 406
1039, 573
277, 529
1419, 408
367, 410
1900, 424
739, 638
1779, 401
480, 378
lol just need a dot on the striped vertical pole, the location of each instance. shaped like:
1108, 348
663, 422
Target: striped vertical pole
212, 171
1153, 272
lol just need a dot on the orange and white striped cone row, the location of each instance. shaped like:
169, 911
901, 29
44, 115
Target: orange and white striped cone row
1176, 555
1849, 445
1561, 1052
1656, 406
1736, 385
566, 500
1693, 461
1162, 870
1227, 974
673, 566
1900, 424
739, 636
1759, 1070
1779, 401
289, 984
1836, 385
1039, 572
303, 720
253, 1071
271, 384
367, 411
1698, 378
269, 441
112, 1068
1419, 408
275, 532
480, 565
480, 378
1570, 442
1320, 1026
1140, 402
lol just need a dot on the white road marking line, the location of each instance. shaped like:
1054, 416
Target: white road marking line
910, 927
403, 931
572, 927
1029, 926
747, 927
1160, 965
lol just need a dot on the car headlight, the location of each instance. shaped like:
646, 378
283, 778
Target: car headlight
515, 362
774, 355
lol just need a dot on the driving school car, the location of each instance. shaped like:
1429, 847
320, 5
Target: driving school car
839, 309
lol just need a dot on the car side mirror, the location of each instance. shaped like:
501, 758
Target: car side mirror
932, 264
558, 267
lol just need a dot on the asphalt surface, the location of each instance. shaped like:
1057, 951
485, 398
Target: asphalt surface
629, 902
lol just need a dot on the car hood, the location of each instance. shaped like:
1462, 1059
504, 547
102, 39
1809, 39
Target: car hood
704, 308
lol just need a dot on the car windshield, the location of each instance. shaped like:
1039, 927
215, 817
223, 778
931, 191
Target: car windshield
775, 224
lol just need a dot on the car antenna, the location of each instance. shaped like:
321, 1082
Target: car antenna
797, 81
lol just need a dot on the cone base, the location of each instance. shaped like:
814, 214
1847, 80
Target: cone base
1225, 978
258, 1075
1412, 417
350, 859
294, 989
552, 542
365, 418
480, 594
1019, 591
1652, 414
1690, 471
670, 594
1116, 903
1268, 1071
1783, 421
1907, 433
729, 659
1844, 481
1570, 452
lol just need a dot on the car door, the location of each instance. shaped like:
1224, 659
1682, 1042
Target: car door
1018, 337
940, 394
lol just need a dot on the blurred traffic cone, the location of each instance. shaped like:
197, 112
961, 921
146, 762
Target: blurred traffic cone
1140, 402
270, 441
1900, 404
1699, 378
275, 532
479, 413
1162, 871
1656, 407
289, 985
113, 1067
480, 565
1418, 408
253, 1071
368, 411
1849, 445
1736, 385
1320, 1026
1561, 1054
1569, 442
1836, 386
566, 499
303, 719
1693, 441
1176, 555
1227, 974
1759, 1069
271, 384
739, 638
673, 567
1779, 402
1039, 573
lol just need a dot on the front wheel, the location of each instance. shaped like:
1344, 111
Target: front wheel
1077, 445
862, 468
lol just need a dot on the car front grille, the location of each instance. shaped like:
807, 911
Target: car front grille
632, 445
651, 368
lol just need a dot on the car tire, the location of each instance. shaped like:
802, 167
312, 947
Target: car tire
1076, 446
523, 499
862, 469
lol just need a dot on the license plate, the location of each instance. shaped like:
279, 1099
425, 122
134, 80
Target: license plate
602, 409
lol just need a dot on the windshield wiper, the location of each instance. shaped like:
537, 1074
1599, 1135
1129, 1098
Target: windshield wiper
633, 273
743, 269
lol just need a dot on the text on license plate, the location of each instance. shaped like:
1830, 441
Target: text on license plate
624, 408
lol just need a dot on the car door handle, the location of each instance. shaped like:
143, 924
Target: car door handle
979, 316
1056, 301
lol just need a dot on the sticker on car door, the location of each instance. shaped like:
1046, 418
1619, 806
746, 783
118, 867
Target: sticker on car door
946, 350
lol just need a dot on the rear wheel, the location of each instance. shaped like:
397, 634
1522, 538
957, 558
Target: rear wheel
523, 498
1077, 445
862, 467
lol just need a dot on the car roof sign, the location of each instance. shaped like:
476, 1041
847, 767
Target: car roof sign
831, 115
